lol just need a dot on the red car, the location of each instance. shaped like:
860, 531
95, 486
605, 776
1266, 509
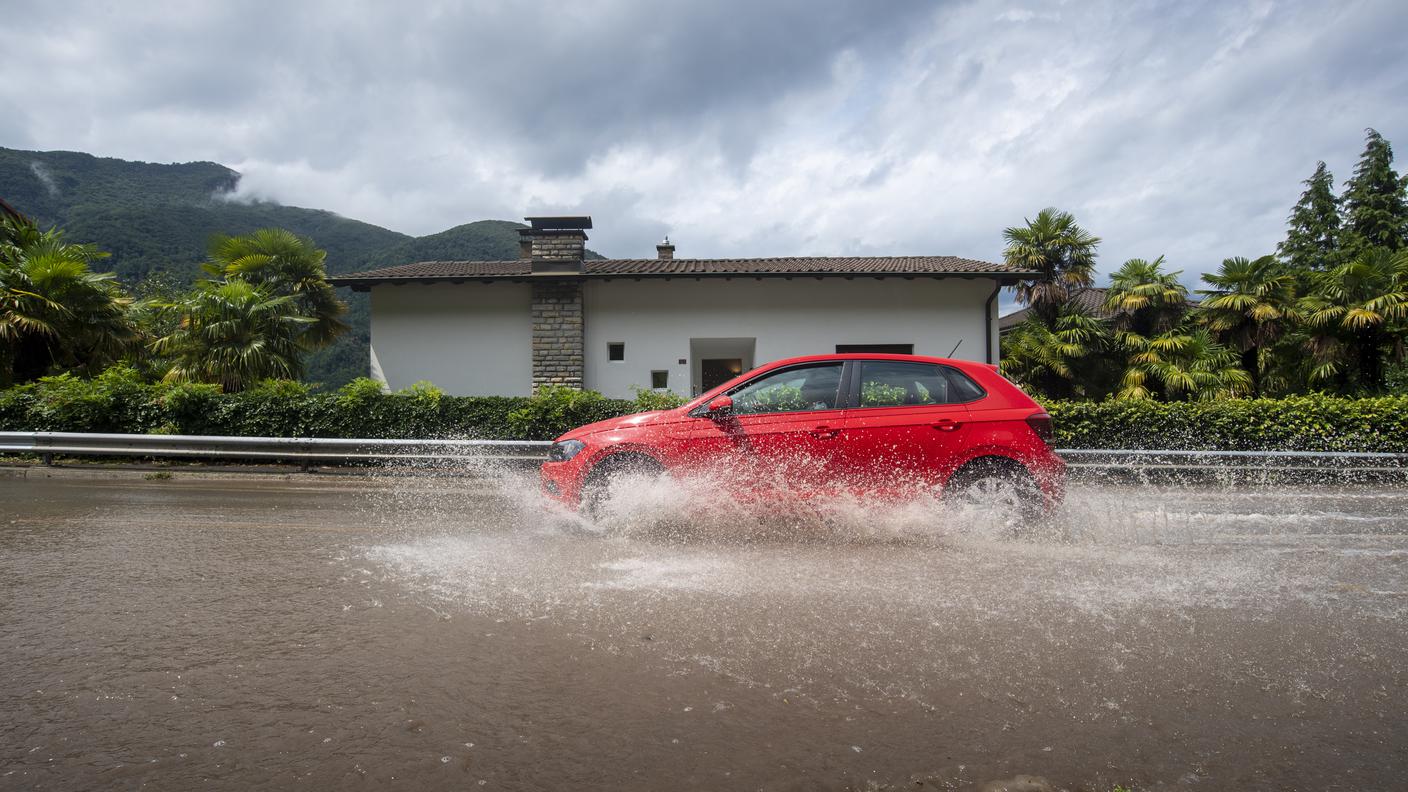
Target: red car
871, 424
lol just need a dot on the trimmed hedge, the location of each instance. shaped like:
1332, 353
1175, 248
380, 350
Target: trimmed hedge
119, 401
1299, 423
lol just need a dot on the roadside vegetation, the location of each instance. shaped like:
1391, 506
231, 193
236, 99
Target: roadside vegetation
1300, 348
1327, 312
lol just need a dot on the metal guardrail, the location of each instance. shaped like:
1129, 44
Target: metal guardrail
308, 450
296, 449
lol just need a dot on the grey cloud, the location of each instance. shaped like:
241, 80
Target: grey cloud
740, 128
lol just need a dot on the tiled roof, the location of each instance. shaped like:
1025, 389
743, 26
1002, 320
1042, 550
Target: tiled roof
814, 266
1091, 300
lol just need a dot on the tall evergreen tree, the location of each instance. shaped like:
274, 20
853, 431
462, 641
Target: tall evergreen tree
1313, 239
1375, 207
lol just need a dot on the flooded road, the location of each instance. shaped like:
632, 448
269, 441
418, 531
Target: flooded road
446, 633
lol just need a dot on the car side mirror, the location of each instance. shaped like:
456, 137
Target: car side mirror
720, 407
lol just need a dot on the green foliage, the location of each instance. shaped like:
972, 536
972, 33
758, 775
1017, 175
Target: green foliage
1060, 360
234, 334
781, 397
555, 409
55, 313
1313, 237
878, 394
1306, 423
285, 265
1064, 254
1375, 207
647, 400
119, 401
1144, 299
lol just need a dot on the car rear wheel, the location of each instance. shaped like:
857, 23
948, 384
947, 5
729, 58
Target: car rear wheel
1000, 491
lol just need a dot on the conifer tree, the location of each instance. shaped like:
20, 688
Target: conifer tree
1312, 241
1376, 212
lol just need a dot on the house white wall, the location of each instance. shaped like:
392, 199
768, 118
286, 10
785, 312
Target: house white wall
470, 339
657, 319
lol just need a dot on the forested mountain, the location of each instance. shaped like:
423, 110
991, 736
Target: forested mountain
156, 221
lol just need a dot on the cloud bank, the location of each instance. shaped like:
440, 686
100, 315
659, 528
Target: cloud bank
738, 128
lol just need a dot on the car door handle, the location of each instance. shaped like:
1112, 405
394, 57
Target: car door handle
825, 432
946, 424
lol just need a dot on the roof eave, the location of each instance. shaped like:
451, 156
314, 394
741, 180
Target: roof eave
1007, 278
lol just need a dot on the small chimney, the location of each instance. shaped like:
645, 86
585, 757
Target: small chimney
556, 245
665, 250
525, 244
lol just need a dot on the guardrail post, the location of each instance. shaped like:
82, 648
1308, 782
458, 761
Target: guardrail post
47, 459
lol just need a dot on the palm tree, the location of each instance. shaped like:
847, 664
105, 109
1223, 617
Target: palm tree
1185, 363
1357, 313
1061, 251
1144, 299
235, 334
1049, 359
55, 313
284, 264
1250, 308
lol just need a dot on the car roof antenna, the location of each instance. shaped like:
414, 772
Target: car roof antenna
955, 348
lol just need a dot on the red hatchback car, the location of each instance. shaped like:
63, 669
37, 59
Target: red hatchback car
870, 424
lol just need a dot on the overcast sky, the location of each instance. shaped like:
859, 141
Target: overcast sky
738, 127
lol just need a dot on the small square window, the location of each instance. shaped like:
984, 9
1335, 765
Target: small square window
616, 350
659, 379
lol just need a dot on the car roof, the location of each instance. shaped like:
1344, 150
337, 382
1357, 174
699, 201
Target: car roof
842, 356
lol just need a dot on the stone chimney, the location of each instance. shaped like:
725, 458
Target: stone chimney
556, 245
665, 250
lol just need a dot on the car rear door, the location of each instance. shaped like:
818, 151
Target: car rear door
904, 429
782, 433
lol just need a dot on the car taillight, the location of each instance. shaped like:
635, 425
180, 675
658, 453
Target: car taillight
1044, 427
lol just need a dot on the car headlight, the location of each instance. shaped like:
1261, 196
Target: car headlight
564, 450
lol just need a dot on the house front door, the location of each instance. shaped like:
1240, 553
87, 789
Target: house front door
714, 372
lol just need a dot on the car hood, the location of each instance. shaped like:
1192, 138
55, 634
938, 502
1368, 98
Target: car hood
632, 421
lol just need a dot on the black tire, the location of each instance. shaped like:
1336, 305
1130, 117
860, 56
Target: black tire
598, 484
1003, 489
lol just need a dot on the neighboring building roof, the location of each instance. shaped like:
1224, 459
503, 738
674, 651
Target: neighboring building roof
1090, 299
799, 266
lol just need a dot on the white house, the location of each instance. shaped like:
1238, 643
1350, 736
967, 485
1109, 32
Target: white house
553, 316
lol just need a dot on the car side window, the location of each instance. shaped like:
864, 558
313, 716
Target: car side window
886, 383
790, 390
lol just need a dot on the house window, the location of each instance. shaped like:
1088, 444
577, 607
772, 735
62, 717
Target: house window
616, 350
659, 379
880, 349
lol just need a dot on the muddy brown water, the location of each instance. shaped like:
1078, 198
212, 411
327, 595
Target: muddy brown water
447, 634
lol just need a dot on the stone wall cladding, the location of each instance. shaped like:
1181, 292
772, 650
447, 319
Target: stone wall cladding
558, 247
557, 333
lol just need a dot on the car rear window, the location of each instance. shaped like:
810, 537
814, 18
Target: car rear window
888, 383
961, 388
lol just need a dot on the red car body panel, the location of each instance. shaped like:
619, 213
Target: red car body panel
885, 450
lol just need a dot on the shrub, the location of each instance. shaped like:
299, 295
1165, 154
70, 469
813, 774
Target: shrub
119, 401
647, 400
1308, 423
555, 409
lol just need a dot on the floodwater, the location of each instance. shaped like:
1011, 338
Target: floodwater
442, 633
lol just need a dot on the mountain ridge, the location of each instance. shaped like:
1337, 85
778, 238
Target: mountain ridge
156, 220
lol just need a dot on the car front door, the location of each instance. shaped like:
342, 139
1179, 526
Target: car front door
781, 434
905, 429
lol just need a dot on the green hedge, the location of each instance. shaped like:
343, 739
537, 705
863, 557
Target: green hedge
1307, 423
118, 401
